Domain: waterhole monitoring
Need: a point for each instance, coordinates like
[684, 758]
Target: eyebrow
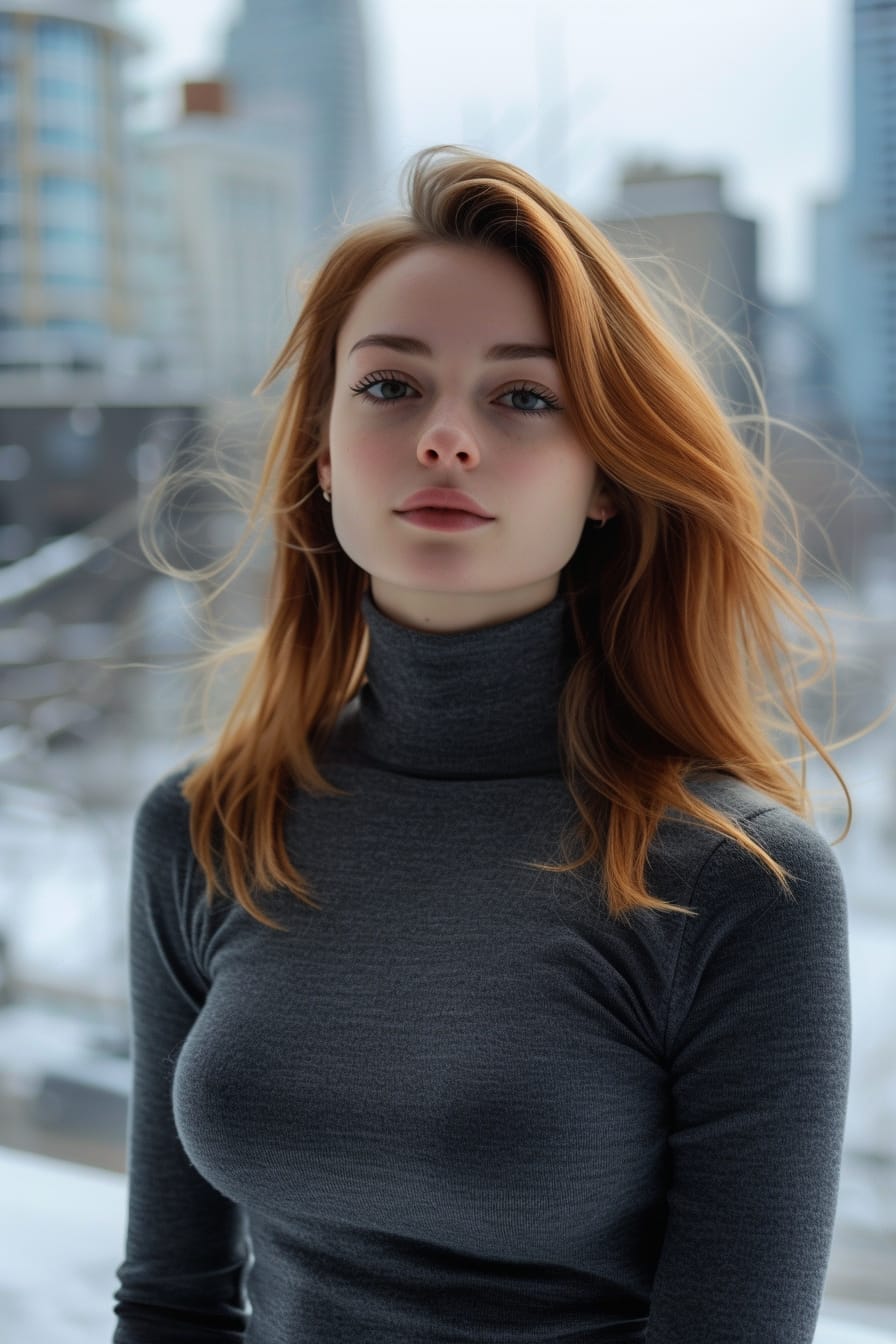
[409, 345]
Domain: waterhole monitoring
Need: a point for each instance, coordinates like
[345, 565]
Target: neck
[468, 704]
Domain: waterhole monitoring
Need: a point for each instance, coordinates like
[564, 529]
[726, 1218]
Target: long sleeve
[183, 1276]
[758, 1041]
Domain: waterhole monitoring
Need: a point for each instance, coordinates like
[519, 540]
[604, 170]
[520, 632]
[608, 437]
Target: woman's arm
[759, 1038]
[187, 1252]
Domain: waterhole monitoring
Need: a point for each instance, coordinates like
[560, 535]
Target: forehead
[444, 293]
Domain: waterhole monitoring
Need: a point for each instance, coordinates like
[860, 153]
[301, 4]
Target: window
[68, 51]
[75, 256]
[77, 138]
[9, 38]
[76, 326]
[58, 35]
[54, 234]
[73, 280]
[68, 115]
[71, 202]
[10, 201]
[65, 91]
[11, 258]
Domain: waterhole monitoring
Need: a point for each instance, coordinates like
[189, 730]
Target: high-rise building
[298, 70]
[64, 285]
[855, 248]
[87, 414]
[221, 279]
[682, 218]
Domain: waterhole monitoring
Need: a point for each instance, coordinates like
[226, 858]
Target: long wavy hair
[683, 608]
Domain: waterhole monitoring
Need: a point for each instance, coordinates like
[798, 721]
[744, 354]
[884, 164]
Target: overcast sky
[759, 89]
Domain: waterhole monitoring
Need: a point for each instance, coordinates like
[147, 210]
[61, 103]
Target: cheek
[559, 471]
[359, 435]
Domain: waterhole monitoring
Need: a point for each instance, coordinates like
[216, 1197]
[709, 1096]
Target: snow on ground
[871, 1109]
[65, 1237]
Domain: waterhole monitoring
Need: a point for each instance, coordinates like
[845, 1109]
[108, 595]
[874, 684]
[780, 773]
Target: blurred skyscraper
[854, 299]
[86, 415]
[682, 217]
[216, 211]
[65, 298]
[298, 69]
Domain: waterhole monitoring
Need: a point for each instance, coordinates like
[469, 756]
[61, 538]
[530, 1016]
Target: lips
[444, 498]
[444, 520]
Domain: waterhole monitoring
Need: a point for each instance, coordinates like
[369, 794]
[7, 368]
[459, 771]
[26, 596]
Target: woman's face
[422, 399]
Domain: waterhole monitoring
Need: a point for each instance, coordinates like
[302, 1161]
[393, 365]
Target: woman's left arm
[758, 1048]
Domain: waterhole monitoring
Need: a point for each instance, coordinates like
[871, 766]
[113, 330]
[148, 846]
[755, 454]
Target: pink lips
[442, 499]
[444, 520]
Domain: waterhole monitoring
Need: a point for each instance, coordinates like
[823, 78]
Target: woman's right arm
[187, 1252]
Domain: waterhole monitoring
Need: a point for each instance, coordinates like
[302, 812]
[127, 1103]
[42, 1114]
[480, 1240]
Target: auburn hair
[681, 604]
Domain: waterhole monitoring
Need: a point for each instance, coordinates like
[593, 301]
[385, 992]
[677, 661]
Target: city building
[299, 73]
[65, 297]
[681, 238]
[220, 257]
[87, 413]
[679, 219]
[854, 298]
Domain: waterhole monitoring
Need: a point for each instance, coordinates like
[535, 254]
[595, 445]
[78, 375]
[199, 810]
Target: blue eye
[550, 403]
[390, 384]
[379, 380]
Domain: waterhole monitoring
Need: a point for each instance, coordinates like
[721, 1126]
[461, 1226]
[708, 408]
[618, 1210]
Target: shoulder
[718, 866]
[168, 918]
[162, 817]
[785, 836]
[750, 940]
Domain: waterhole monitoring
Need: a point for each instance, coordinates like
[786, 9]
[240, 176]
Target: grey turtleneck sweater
[458, 1102]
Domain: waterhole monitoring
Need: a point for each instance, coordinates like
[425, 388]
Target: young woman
[406, 1066]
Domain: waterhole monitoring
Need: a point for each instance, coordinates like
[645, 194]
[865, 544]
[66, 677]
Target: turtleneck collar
[472, 704]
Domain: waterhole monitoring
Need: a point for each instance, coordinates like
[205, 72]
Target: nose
[447, 441]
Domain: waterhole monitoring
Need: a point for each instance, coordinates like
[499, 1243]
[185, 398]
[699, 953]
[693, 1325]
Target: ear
[602, 504]
[324, 470]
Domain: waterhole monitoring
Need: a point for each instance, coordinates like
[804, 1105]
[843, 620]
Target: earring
[326, 494]
[601, 522]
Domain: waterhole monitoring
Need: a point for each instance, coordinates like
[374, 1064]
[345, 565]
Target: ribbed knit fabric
[459, 1102]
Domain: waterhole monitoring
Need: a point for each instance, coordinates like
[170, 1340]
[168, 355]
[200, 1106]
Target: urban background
[168, 176]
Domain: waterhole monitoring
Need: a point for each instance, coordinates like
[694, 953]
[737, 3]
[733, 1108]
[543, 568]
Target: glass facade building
[63, 270]
[299, 69]
[855, 236]
[217, 276]
[871, 348]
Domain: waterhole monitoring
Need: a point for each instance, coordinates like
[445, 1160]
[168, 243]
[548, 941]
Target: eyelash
[387, 376]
